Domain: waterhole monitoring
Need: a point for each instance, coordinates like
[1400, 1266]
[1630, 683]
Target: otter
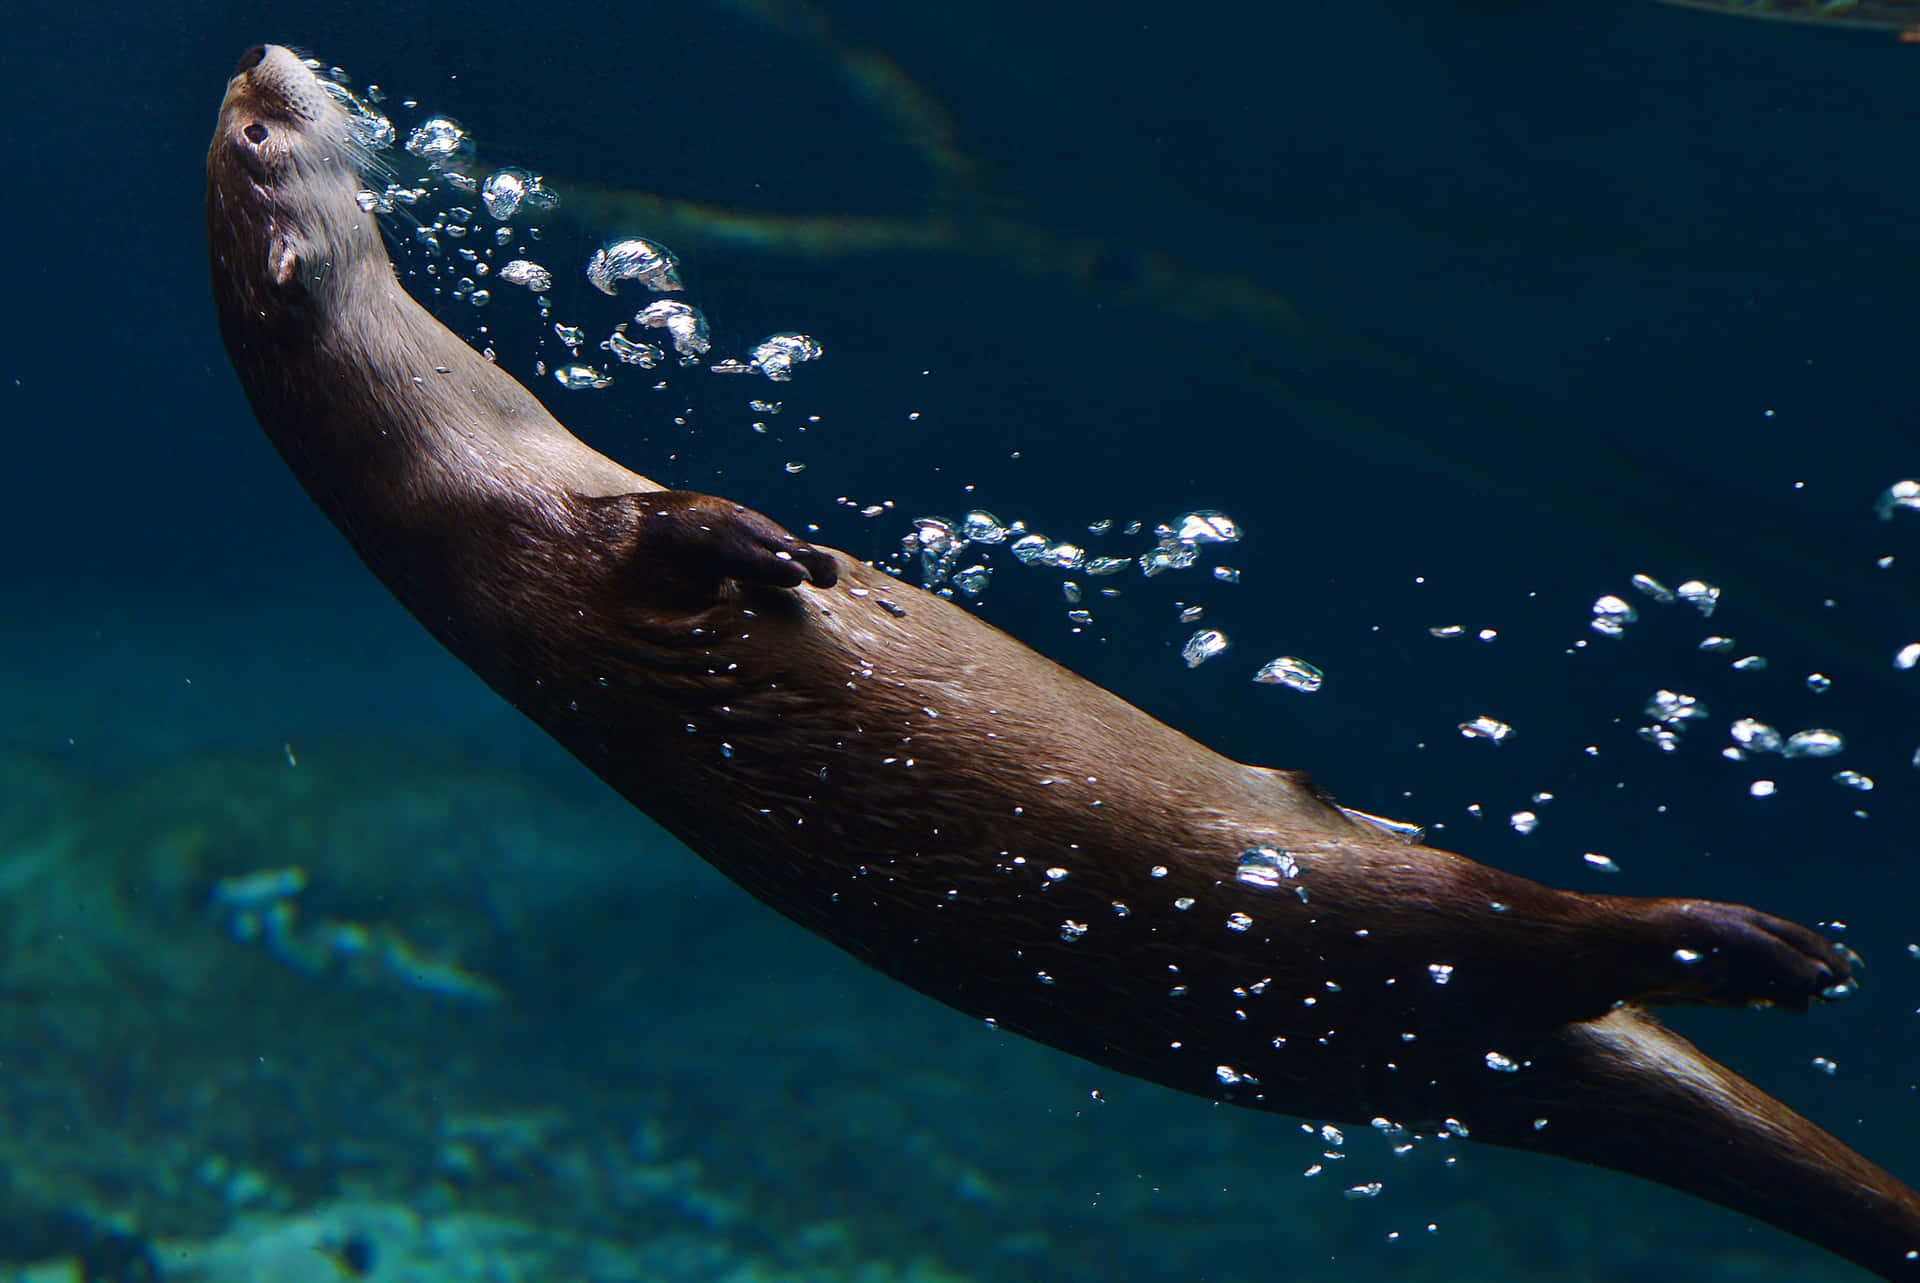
[957, 811]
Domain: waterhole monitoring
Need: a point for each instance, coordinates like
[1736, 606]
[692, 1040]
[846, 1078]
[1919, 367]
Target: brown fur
[894, 774]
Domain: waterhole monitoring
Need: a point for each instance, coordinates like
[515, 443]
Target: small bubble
[1263, 866]
[1524, 822]
[1819, 683]
[1238, 922]
[1501, 1064]
[1815, 743]
[1600, 863]
[1184, 903]
[1202, 646]
[1826, 1066]
[1440, 972]
[1648, 586]
[1071, 930]
[1294, 674]
[1762, 788]
[1901, 495]
[1485, 728]
[1369, 1190]
[1854, 780]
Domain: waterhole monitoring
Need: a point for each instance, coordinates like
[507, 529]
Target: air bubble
[1202, 646]
[528, 274]
[1294, 674]
[579, 378]
[1611, 616]
[1485, 728]
[776, 355]
[633, 259]
[1265, 866]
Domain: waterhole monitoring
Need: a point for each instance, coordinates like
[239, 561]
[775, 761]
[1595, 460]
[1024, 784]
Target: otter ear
[282, 261]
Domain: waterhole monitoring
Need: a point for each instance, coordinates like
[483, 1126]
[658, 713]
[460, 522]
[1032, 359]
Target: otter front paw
[1729, 955]
[699, 540]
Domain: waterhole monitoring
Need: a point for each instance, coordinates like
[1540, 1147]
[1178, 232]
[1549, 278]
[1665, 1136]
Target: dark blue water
[1467, 311]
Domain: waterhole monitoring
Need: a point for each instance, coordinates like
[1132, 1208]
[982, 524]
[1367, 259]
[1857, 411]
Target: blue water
[1467, 311]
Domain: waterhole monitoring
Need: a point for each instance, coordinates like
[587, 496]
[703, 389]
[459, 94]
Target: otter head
[282, 176]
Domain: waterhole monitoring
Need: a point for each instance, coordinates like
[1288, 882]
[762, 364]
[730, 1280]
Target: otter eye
[256, 133]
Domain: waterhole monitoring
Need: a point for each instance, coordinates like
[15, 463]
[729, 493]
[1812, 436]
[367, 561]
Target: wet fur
[892, 773]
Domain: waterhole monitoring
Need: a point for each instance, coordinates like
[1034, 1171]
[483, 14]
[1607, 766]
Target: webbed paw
[1730, 955]
[699, 540]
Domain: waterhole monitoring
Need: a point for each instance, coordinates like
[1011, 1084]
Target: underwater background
[1466, 311]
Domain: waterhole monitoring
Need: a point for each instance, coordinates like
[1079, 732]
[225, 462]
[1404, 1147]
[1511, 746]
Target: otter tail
[1625, 1092]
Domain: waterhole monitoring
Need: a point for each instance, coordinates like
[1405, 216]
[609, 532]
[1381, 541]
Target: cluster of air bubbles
[1178, 542]
[1754, 738]
[938, 548]
[1447, 632]
[1751, 736]
[1177, 546]
[459, 248]
[1670, 712]
[367, 125]
[1612, 616]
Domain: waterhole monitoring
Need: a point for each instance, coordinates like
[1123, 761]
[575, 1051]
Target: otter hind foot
[1728, 955]
[697, 541]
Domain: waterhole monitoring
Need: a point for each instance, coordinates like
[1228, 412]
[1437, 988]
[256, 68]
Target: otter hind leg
[1624, 1092]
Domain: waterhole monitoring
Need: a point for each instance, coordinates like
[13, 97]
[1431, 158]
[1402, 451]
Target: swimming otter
[959, 812]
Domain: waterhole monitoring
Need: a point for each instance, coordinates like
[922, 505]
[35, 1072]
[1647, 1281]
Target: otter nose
[250, 59]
